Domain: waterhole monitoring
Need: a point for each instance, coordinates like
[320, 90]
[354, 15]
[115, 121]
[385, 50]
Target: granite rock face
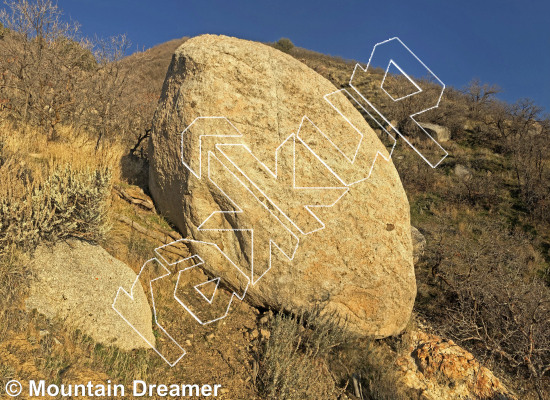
[77, 282]
[433, 368]
[258, 165]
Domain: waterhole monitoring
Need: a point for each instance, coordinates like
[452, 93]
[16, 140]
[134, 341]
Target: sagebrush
[67, 203]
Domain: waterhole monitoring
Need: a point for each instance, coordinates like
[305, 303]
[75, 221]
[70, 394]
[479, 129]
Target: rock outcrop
[438, 132]
[354, 255]
[77, 282]
[438, 369]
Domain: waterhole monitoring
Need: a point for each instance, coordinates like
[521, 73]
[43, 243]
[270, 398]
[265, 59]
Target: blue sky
[498, 41]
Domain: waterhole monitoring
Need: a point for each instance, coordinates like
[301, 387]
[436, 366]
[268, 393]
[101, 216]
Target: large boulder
[356, 258]
[77, 282]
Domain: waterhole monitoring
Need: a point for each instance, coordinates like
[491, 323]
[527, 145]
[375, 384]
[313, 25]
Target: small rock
[438, 132]
[468, 125]
[254, 334]
[419, 244]
[44, 333]
[462, 172]
[265, 333]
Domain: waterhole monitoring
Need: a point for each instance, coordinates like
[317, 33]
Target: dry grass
[14, 275]
[29, 149]
[375, 372]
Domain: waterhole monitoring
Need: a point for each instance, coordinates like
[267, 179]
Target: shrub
[293, 362]
[67, 203]
[378, 377]
[492, 299]
[284, 44]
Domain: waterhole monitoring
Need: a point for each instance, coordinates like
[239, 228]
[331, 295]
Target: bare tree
[104, 109]
[494, 303]
[531, 163]
[479, 95]
[39, 60]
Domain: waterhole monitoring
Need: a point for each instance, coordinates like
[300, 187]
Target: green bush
[284, 44]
